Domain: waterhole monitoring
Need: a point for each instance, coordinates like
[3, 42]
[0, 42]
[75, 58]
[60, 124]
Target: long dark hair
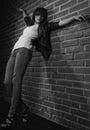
[42, 12]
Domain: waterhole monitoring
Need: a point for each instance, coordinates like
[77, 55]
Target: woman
[36, 33]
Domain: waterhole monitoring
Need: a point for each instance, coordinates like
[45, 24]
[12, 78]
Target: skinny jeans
[14, 73]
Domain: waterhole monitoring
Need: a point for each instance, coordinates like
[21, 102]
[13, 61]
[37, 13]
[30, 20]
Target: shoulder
[53, 25]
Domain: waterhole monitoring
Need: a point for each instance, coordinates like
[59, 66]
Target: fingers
[82, 18]
[77, 18]
[20, 10]
[87, 17]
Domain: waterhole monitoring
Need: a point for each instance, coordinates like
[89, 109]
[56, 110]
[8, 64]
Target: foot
[7, 123]
[25, 115]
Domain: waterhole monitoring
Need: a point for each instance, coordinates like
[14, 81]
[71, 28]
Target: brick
[82, 70]
[79, 6]
[50, 7]
[53, 11]
[60, 63]
[70, 43]
[56, 45]
[58, 88]
[70, 30]
[69, 116]
[82, 55]
[86, 85]
[79, 99]
[87, 93]
[86, 33]
[55, 33]
[68, 4]
[85, 107]
[58, 76]
[56, 52]
[49, 104]
[74, 35]
[81, 0]
[44, 0]
[60, 14]
[75, 63]
[71, 104]
[87, 62]
[87, 78]
[61, 95]
[62, 108]
[64, 82]
[52, 69]
[56, 39]
[69, 16]
[44, 86]
[74, 49]
[55, 100]
[50, 18]
[87, 48]
[80, 113]
[87, 55]
[64, 70]
[68, 56]
[73, 77]
[44, 4]
[84, 122]
[60, 2]
[77, 84]
[36, 4]
[85, 11]
[50, 1]
[74, 91]
[89, 101]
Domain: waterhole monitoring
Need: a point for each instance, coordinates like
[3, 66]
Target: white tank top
[29, 33]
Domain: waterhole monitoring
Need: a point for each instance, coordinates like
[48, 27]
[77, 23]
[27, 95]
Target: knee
[16, 81]
[7, 83]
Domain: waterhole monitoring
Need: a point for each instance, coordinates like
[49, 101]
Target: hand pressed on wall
[80, 18]
[86, 18]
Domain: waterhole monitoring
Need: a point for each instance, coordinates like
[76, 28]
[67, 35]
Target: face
[38, 19]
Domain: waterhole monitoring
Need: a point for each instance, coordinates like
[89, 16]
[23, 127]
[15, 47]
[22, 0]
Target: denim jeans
[15, 70]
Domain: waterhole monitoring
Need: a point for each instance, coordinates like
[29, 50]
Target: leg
[21, 60]
[23, 56]
[8, 76]
[8, 85]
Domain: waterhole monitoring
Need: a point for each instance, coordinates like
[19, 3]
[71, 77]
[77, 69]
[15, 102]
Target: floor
[34, 123]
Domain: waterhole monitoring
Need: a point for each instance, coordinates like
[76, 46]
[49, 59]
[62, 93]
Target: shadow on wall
[52, 88]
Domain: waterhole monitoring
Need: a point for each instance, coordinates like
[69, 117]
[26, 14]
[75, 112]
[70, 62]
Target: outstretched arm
[69, 21]
[64, 23]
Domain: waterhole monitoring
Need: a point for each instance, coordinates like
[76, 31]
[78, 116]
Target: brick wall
[57, 89]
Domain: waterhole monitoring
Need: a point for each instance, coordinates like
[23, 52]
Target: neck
[36, 23]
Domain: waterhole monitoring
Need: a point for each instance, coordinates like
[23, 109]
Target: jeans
[15, 70]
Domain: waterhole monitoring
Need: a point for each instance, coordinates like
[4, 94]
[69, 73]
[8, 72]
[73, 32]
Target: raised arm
[24, 12]
[26, 17]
